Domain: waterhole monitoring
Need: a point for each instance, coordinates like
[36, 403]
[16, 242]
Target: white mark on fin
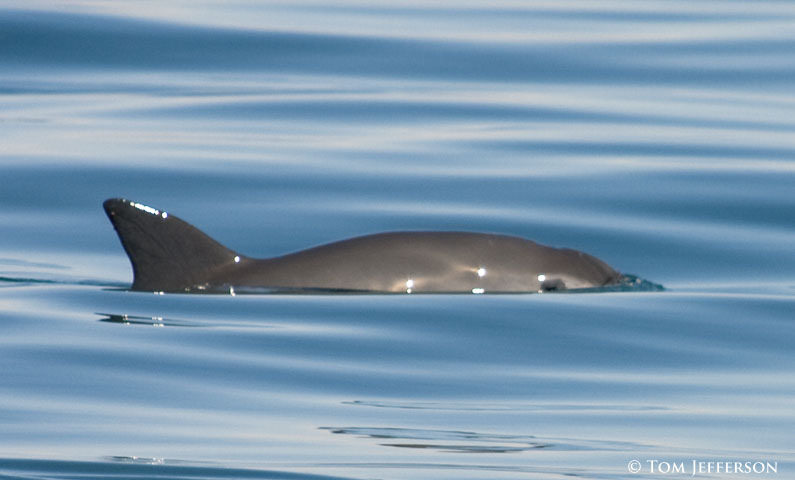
[146, 208]
[237, 259]
[164, 215]
[478, 291]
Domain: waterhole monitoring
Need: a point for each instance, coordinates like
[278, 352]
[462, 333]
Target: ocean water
[658, 136]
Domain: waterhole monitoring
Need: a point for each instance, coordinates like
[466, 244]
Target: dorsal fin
[167, 254]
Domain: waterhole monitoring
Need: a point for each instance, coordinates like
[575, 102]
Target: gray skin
[170, 255]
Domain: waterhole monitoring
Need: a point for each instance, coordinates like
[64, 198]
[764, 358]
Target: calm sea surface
[659, 137]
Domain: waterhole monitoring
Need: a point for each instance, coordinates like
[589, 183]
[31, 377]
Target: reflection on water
[502, 407]
[140, 320]
[473, 442]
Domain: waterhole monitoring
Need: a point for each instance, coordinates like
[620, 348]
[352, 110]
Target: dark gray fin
[167, 254]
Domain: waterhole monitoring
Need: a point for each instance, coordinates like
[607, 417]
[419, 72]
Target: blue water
[658, 137]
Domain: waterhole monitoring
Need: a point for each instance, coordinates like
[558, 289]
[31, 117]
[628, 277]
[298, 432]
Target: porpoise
[170, 255]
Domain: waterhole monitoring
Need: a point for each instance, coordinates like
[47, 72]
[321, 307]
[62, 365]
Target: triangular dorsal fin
[167, 254]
